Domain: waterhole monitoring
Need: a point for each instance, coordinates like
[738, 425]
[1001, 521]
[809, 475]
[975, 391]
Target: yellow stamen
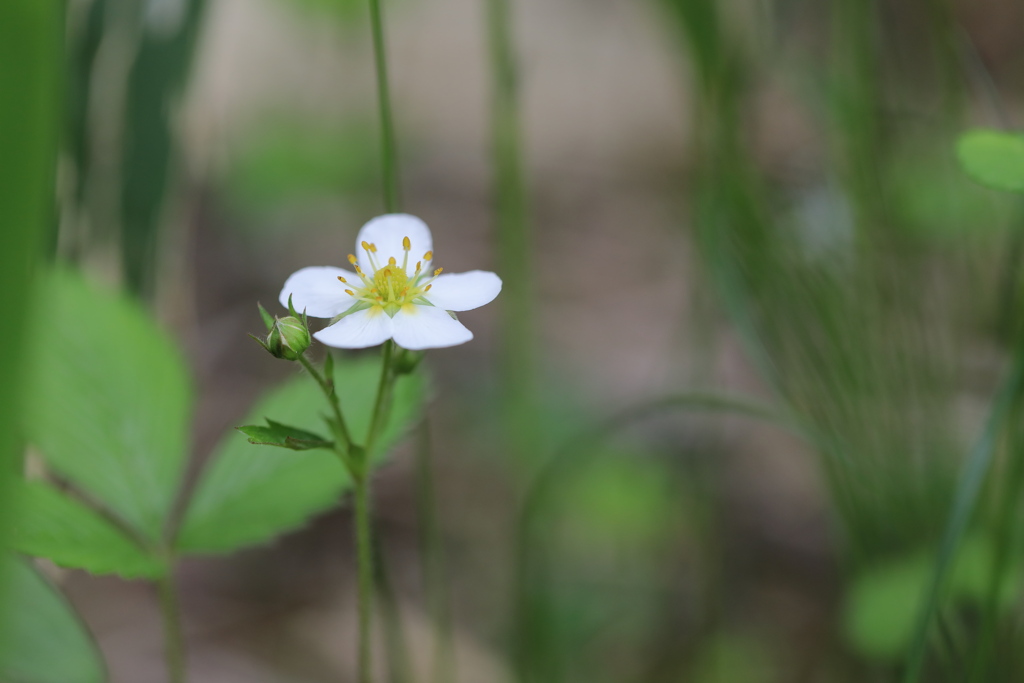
[438, 272]
[392, 261]
[350, 292]
[352, 259]
[428, 256]
[406, 244]
[427, 288]
[343, 280]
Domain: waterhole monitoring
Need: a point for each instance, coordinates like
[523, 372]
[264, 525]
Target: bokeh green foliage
[858, 295]
[290, 163]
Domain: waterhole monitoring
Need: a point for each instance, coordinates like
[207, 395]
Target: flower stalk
[389, 154]
[174, 641]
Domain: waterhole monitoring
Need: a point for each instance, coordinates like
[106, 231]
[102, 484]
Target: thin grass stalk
[962, 510]
[1006, 529]
[31, 62]
[389, 153]
[515, 263]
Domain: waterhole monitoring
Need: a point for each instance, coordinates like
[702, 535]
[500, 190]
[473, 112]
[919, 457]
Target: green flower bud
[288, 338]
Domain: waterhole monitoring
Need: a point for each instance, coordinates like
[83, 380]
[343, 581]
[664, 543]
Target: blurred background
[756, 199]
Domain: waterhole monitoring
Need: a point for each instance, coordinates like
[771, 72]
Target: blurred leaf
[883, 604]
[70, 534]
[993, 158]
[109, 403]
[730, 658]
[932, 197]
[250, 495]
[155, 83]
[627, 497]
[277, 434]
[294, 161]
[84, 37]
[44, 641]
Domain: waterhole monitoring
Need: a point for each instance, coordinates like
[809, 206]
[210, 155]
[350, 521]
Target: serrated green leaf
[62, 530]
[277, 434]
[110, 400]
[993, 158]
[43, 640]
[248, 495]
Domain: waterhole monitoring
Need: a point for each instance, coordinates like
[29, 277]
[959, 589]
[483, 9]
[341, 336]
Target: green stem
[341, 428]
[383, 391]
[174, 641]
[513, 231]
[389, 155]
[431, 550]
[364, 555]
[364, 530]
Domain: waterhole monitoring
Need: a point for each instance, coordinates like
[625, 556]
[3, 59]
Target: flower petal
[428, 327]
[359, 330]
[387, 233]
[464, 291]
[317, 290]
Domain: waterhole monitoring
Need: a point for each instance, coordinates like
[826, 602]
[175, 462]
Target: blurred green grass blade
[70, 534]
[250, 494]
[44, 641]
[30, 68]
[964, 503]
[993, 158]
[155, 84]
[83, 43]
[700, 23]
[110, 401]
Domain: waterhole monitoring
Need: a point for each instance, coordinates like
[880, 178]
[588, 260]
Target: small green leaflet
[277, 434]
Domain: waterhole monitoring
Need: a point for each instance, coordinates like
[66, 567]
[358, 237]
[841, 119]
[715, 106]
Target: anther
[352, 259]
[341, 279]
[438, 272]
[367, 247]
[350, 292]
[428, 256]
[427, 288]
[406, 244]
[392, 261]
[359, 271]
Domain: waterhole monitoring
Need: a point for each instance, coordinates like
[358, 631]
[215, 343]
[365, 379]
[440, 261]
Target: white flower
[393, 294]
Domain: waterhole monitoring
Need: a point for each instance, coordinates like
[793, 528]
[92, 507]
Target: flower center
[391, 287]
[392, 282]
